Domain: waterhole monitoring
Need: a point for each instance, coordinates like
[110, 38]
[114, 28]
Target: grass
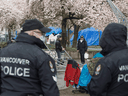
[94, 47]
[71, 49]
[51, 46]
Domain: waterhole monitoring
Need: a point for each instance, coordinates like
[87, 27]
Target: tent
[52, 31]
[70, 31]
[91, 35]
[56, 31]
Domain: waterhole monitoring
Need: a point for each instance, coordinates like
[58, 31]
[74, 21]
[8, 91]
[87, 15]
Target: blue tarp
[91, 35]
[70, 31]
[15, 36]
[56, 31]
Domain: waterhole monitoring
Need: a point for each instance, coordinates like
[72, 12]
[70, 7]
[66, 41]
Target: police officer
[110, 77]
[26, 70]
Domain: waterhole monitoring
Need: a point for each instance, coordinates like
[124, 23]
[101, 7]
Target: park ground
[68, 92]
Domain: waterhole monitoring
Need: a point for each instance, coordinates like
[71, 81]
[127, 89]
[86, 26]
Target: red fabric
[72, 75]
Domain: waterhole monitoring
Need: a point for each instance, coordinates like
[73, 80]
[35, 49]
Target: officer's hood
[113, 38]
[24, 37]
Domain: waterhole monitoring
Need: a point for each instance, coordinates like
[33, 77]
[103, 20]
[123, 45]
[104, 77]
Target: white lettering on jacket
[14, 60]
[123, 77]
[16, 71]
[123, 68]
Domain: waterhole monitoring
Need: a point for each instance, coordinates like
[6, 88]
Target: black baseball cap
[34, 24]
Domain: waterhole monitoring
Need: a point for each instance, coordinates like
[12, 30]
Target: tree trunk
[9, 34]
[64, 35]
[76, 29]
[68, 42]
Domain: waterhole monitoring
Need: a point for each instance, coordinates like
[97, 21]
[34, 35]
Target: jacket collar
[104, 53]
[24, 37]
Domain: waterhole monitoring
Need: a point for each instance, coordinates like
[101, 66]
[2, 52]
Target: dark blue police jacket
[26, 70]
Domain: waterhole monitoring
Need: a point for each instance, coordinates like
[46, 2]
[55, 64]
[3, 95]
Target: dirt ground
[68, 92]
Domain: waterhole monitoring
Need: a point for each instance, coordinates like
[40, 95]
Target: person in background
[26, 70]
[82, 48]
[110, 76]
[52, 38]
[59, 49]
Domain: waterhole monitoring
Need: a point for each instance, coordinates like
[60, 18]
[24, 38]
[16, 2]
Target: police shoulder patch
[98, 68]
